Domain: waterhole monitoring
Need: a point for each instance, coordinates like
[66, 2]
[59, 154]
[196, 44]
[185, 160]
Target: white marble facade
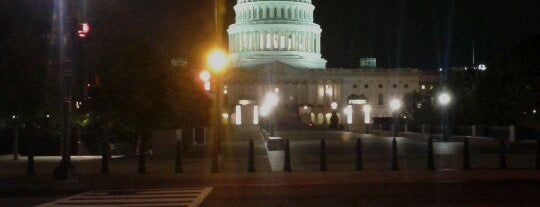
[275, 47]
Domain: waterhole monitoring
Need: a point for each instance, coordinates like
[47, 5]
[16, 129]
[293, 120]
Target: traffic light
[205, 78]
[83, 30]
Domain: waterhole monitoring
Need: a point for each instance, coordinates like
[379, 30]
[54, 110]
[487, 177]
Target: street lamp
[334, 118]
[217, 62]
[444, 99]
[269, 102]
[395, 105]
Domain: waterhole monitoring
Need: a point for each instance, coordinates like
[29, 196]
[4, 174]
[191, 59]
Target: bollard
[251, 157]
[193, 137]
[287, 165]
[179, 168]
[105, 157]
[473, 131]
[511, 134]
[394, 166]
[423, 128]
[142, 157]
[215, 162]
[502, 155]
[205, 134]
[359, 164]
[538, 153]
[322, 166]
[30, 170]
[16, 143]
[466, 155]
[430, 155]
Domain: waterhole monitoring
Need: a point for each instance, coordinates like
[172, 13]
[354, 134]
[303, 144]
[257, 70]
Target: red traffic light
[83, 30]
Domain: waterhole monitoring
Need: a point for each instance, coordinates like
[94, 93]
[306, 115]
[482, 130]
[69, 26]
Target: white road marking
[189, 197]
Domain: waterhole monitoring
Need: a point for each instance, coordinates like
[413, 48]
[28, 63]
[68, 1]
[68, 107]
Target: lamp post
[444, 99]
[217, 61]
[270, 101]
[395, 105]
[334, 118]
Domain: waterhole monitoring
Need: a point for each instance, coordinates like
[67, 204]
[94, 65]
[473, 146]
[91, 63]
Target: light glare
[444, 99]
[395, 104]
[217, 60]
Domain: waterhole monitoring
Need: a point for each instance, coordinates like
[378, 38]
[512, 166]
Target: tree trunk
[15, 143]
[78, 138]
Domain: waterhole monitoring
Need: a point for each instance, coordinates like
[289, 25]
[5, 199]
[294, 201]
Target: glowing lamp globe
[217, 61]
[395, 104]
[444, 99]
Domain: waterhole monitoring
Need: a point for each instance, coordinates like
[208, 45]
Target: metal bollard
[142, 157]
[251, 157]
[30, 170]
[105, 157]
[359, 164]
[179, 168]
[430, 155]
[322, 166]
[287, 165]
[466, 155]
[502, 155]
[394, 166]
[538, 153]
[215, 162]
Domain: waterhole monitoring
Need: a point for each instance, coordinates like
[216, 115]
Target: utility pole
[64, 42]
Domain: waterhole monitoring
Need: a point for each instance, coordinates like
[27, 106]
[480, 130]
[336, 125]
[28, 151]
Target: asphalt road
[341, 157]
[403, 194]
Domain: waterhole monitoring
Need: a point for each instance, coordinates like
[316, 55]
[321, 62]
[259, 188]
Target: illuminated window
[328, 117]
[238, 117]
[256, 115]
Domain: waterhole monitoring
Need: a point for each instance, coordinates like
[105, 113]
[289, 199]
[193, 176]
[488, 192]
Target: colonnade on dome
[301, 41]
[275, 31]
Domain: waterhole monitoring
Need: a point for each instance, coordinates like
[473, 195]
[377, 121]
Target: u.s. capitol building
[276, 49]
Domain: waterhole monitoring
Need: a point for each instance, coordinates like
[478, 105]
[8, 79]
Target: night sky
[399, 33]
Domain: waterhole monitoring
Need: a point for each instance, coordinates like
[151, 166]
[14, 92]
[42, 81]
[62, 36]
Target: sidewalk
[160, 170]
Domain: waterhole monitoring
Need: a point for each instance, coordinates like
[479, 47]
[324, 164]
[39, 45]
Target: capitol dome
[267, 31]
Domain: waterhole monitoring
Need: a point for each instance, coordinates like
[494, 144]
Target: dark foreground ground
[502, 193]
[485, 185]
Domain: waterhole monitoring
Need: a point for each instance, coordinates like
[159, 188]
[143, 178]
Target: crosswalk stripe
[136, 198]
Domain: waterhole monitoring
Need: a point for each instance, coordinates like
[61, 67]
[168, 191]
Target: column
[253, 42]
[319, 43]
[257, 40]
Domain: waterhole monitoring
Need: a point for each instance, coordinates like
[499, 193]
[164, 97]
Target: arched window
[290, 13]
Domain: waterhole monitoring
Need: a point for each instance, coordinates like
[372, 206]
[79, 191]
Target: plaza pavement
[304, 156]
